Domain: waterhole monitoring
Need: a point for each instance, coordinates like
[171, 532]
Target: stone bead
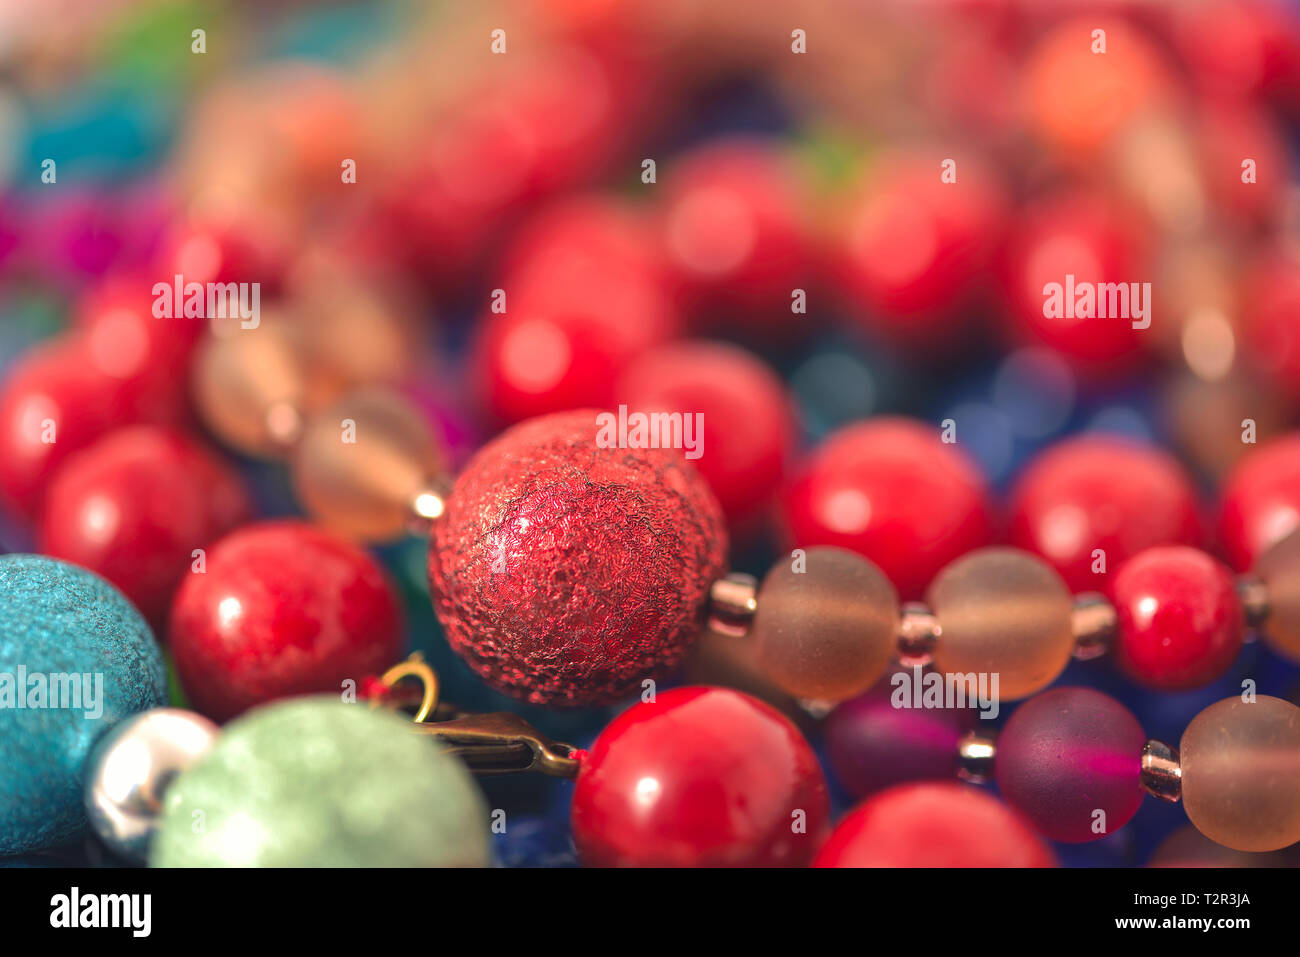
[1241, 773]
[1003, 611]
[361, 462]
[1279, 569]
[825, 625]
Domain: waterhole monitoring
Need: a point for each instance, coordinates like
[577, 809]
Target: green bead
[314, 782]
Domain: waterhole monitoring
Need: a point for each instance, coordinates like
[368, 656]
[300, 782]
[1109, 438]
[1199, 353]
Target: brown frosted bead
[1241, 773]
[251, 387]
[1003, 611]
[825, 633]
[1279, 570]
[362, 461]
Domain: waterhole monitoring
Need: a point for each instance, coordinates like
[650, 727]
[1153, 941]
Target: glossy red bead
[892, 490]
[1259, 501]
[135, 505]
[734, 231]
[748, 423]
[1180, 623]
[282, 609]
[700, 777]
[1101, 492]
[934, 824]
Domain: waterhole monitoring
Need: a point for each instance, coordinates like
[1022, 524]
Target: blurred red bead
[1180, 624]
[747, 419]
[1271, 305]
[913, 247]
[699, 777]
[734, 231]
[934, 824]
[892, 490]
[1086, 236]
[1259, 502]
[583, 298]
[53, 401]
[281, 609]
[1101, 492]
[223, 250]
[1240, 48]
[135, 505]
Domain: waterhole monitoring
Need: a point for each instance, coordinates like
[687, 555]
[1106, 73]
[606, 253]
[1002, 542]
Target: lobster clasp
[498, 742]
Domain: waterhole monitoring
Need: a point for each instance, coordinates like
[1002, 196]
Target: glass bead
[1003, 611]
[1279, 570]
[1241, 773]
[825, 625]
[362, 461]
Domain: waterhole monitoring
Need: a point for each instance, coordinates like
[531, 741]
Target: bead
[1259, 502]
[252, 387]
[1005, 612]
[1241, 779]
[933, 824]
[1279, 570]
[55, 620]
[748, 420]
[318, 783]
[825, 625]
[135, 505]
[872, 745]
[362, 461]
[565, 572]
[734, 230]
[1067, 505]
[282, 609]
[912, 248]
[128, 773]
[1082, 235]
[1070, 760]
[1180, 624]
[891, 490]
[699, 777]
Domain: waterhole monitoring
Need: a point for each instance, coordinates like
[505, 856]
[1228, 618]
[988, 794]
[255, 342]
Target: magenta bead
[1068, 754]
[872, 745]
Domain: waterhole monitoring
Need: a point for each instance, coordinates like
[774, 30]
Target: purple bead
[1070, 760]
[873, 745]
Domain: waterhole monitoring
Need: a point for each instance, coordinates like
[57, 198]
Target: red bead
[282, 609]
[1070, 502]
[1180, 623]
[1259, 502]
[1272, 302]
[699, 777]
[733, 229]
[53, 402]
[892, 490]
[1086, 236]
[914, 247]
[135, 505]
[566, 572]
[584, 297]
[934, 824]
[748, 420]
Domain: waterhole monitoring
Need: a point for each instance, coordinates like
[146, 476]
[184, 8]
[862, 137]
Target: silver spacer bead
[732, 603]
[1161, 775]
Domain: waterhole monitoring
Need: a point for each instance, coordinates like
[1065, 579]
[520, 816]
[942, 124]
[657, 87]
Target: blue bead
[57, 619]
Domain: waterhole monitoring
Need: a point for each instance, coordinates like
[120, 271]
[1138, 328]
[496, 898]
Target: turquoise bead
[315, 782]
[75, 659]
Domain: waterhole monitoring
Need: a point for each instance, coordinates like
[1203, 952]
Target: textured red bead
[282, 609]
[1101, 492]
[748, 420]
[1180, 624]
[934, 824]
[1259, 502]
[891, 490]
[699, 777]
[565, 573]
[135, 505]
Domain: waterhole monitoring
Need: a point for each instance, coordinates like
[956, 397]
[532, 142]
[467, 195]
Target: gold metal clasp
[498, 742]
